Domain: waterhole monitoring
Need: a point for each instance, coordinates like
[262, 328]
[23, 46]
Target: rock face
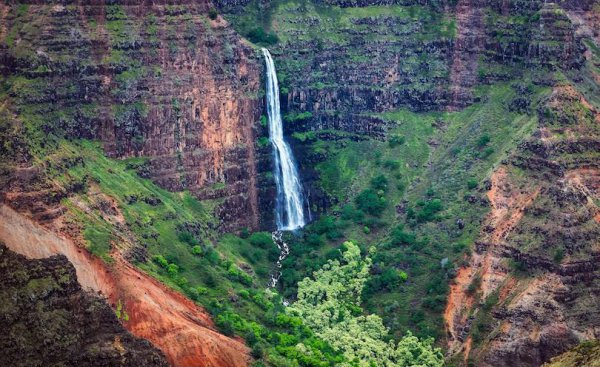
[48, 319]
[530, 291]
[341, 67]
[424, 58]
[160, 80]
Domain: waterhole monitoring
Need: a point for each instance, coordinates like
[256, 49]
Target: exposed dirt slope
[181, 329]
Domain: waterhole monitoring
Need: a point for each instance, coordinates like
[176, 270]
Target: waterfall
[289, 210]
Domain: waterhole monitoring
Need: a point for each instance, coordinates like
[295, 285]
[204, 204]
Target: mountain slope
[182, 330]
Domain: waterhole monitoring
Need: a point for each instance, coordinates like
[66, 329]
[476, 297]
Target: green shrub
[257, 352]
[244, 233]
[314, 241]
[262, 302]
[427, 213]
[487, 152]
[225, 325]
[197, 250]
[187, 237]
[263, 141]
[261, 239]
[435, 303]
[193, 293]
[325, 224]
[518, 266]
[293, 117]
[371, 203]
[182, 282]
[399, 237]
[160, 260]
[483, 141]
[244, 294]
[471, 183]
[475, 285]
[379, 182]
[391, 164]
[260, 36]
[559, 255]
[351, 213]
[212, 256]
[172, 269]
[212, 13]
[396, 140]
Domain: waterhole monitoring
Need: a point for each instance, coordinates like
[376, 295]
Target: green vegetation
[224, 273]
[120, 312]
[587, 354]
[261, 37]
[212, 13]
[405, 196]
[330, 305]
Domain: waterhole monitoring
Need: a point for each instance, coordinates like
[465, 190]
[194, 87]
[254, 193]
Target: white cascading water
[289, 210]
[289, 213]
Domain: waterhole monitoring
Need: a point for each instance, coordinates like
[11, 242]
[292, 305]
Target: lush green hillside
[139, 132]
[417, 196]
[113, 207]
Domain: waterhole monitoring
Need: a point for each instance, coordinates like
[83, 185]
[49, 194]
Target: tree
[370, 202]
[329, 304]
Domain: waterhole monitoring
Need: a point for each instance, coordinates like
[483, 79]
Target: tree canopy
[329, 304]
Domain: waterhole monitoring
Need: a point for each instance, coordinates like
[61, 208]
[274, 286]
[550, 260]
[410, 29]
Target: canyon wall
[342, 67]
[166, 81]
[155, 79]
[530, 291]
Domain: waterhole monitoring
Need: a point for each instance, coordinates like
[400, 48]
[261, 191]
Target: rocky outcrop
[468, 47]
[48, 319]
[530, 291]
[160, 80]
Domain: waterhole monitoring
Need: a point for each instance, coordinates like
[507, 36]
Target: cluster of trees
[258, 35]
[329, 304]
[372, 200]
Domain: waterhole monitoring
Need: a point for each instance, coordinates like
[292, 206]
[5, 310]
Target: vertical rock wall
[155, 79]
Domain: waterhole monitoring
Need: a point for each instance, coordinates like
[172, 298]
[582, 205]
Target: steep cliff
[164, 80]
[529, 292]
[161, 80]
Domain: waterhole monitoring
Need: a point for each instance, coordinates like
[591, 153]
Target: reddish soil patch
[458, 300]
[173, 323]
[508, 204]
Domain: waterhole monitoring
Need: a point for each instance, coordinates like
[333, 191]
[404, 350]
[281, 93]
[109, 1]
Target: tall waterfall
[289, 212]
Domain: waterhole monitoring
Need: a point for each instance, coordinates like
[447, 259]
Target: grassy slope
[585, 355]
[228, 276]
[445, 157]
